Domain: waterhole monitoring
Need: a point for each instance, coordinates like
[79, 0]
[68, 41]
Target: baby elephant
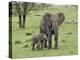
[38, 41]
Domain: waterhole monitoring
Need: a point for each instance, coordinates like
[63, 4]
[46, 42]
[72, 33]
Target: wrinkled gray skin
[49, 25]
[38, 41]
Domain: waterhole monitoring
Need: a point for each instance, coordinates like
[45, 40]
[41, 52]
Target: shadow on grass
[18, 42]
[25, 46]
[28, 40]
[27, 33]
[69, 33]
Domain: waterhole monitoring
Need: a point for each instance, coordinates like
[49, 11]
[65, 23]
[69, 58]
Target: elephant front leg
[49, 33]
[56, 43]
[56, 37]
[50, 42]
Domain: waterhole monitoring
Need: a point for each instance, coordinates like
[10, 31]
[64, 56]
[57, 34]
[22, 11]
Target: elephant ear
[61, 18]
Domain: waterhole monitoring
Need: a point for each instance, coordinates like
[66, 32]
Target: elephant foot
[45, 46]
[41, 48]
[56, 48]
[49, 47]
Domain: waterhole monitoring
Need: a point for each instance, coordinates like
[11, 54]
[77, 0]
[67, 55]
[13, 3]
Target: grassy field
[68, 42]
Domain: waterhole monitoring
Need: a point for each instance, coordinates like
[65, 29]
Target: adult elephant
[49, 25]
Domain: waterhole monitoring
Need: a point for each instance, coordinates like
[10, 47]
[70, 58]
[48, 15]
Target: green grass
[68, 43]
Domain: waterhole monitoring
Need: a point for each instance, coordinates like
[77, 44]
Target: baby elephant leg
[38, 45]
[42, 45]
[33, 46]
